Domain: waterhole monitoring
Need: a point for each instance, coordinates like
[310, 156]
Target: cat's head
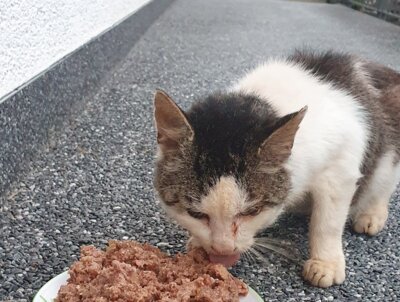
[220, 167]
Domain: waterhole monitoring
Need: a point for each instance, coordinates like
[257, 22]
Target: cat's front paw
[324, 273]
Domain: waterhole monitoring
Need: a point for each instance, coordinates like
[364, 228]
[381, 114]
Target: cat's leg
[332, 194]
[370, 211]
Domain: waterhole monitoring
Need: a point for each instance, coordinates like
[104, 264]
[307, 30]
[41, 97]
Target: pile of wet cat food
[130, 271]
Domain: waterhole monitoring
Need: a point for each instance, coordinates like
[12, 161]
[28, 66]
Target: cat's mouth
[225, 260]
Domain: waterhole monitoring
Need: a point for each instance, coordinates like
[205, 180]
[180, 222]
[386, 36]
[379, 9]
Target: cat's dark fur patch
[388, 82]
[227, 129]
[330, 66]
[382, 77]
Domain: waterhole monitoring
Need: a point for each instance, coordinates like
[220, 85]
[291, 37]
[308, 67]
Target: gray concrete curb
[32, 112]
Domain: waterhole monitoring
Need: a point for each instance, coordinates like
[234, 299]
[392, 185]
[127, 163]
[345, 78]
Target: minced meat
[134, 272]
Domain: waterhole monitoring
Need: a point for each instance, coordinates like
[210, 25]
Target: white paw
[370, 224]
[324, 273]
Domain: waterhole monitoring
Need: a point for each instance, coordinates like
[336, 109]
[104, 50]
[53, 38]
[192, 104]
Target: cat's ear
[276, 149]
[171, 123]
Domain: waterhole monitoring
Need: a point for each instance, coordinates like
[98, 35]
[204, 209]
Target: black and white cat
[325, 125]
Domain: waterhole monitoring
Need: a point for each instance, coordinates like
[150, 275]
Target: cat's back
[354, 105]
[291, 83]
[375, 86]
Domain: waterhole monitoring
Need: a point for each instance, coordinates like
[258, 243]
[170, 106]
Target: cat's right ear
[171, 123]
[277, 148]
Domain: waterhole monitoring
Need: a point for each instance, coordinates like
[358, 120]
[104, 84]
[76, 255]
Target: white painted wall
[34, 34]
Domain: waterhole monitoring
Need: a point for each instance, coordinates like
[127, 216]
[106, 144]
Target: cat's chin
[225, 260]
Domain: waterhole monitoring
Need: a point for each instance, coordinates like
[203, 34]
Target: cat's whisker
[250, 257]
[293, 256]
[274, 241]
[259, 256]
[243, 256]
[256, 257]
[246, 256]
[275, 249]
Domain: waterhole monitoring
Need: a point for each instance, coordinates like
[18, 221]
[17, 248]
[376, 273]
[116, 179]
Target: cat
[321, 124]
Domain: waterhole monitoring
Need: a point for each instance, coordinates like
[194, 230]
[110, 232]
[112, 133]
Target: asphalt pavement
[93, 181]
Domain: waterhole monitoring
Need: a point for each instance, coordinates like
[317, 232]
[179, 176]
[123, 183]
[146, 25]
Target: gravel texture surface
[93, 181]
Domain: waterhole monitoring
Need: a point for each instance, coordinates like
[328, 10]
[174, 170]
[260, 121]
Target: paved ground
[93, 182]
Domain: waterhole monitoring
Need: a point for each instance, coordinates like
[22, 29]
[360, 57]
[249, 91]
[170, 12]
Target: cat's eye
[254, 211]
[197, 215]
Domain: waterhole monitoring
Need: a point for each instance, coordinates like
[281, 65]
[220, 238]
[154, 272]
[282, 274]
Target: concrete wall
[35, 34]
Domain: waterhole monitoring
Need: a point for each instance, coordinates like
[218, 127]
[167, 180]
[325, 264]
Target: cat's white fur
[333, 134]
[326, 158]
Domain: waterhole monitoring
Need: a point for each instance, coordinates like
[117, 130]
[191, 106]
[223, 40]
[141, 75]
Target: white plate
[49, 291]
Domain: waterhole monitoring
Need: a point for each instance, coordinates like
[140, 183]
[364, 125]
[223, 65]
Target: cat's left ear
[171, 123]
[276, 149]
